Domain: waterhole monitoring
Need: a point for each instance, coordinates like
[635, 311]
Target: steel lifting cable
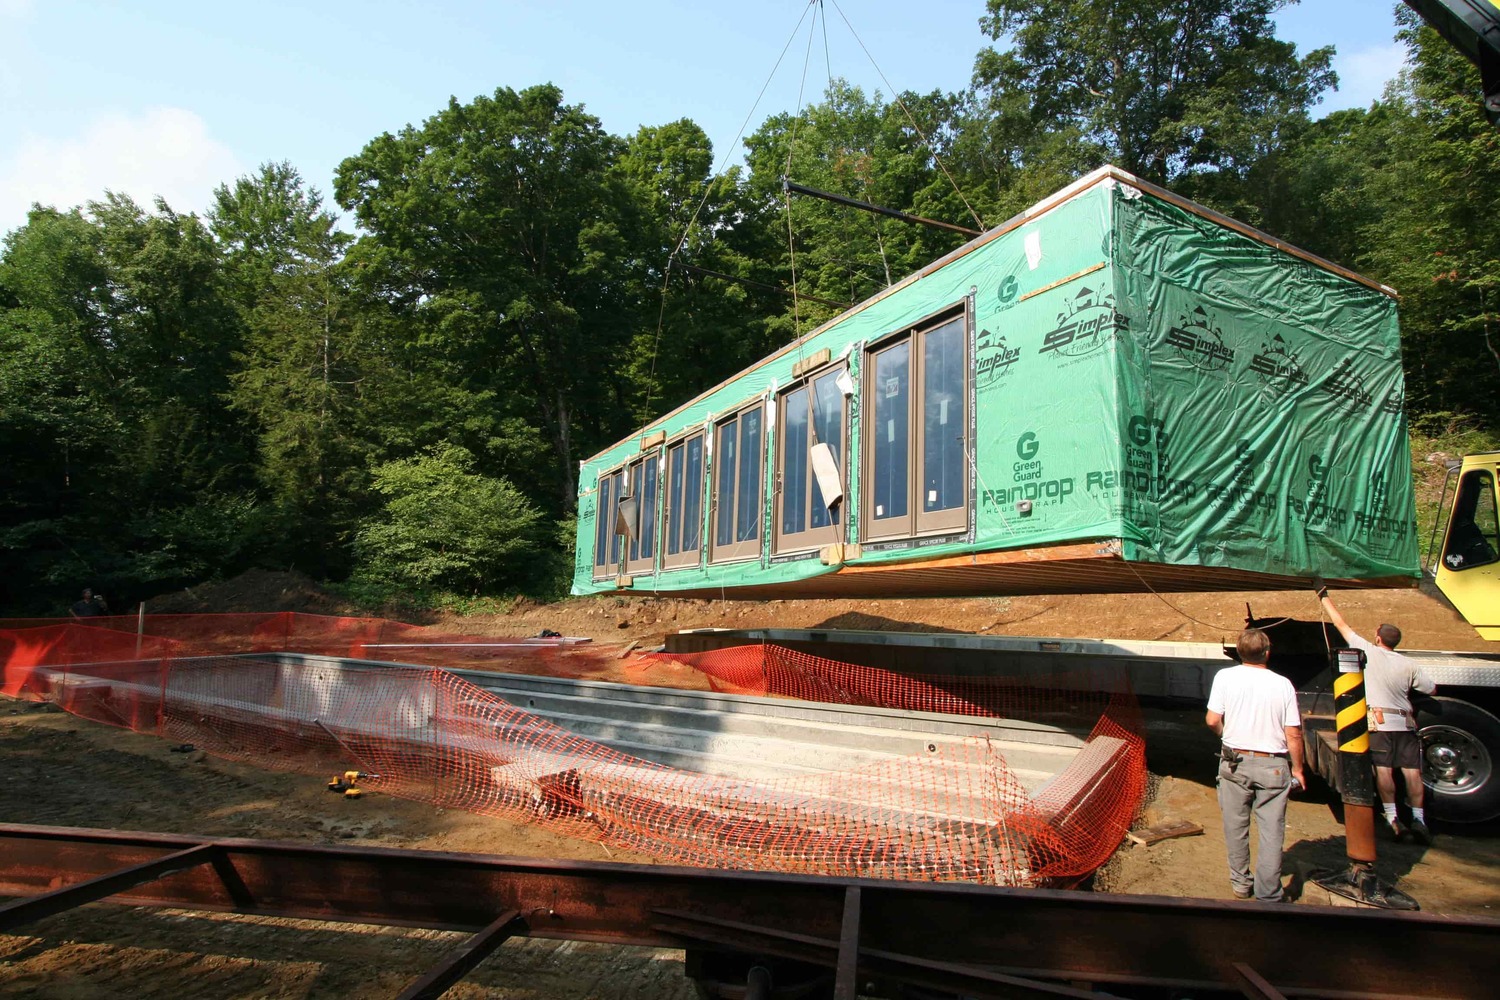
[895, 96]
[1198, 621]
[808, 384]
[707, 190]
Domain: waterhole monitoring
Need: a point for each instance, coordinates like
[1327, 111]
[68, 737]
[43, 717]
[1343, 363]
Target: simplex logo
[1278, 367]
[1087, 323]
[1345, 383]
[993, 359]
[1199, 341]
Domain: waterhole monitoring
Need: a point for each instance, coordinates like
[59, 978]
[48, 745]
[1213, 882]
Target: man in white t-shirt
[1255, 712]
[1389, 680]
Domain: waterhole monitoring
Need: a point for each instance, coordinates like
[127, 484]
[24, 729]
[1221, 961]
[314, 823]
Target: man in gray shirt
[1389, 679]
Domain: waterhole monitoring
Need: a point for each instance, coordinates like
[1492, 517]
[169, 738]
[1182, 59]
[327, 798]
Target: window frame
[749, 548]
[687, 557]
[810, 538]
[1483, 487]
[647, 515]
[606, 513]
[916, 522]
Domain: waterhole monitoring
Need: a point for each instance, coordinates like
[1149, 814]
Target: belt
[1393, 711]
[1258, 753]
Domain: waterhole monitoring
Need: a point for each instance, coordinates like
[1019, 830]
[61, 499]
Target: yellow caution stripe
[1351, 713]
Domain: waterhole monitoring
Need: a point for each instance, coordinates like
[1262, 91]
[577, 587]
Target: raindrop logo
[1027, 446]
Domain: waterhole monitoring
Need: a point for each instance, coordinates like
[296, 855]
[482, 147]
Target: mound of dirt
[1425, 618]
[254, 591]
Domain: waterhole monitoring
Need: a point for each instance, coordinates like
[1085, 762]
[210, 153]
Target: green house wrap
[1116, 390]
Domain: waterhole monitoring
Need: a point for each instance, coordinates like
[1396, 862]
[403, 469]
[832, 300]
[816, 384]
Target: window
[684, 503]
[916, 432]
[737, 485]
[642, 477]
[1474, 538]
[810, 414]
[606, 542]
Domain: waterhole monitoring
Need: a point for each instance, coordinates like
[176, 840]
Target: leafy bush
[444, 527]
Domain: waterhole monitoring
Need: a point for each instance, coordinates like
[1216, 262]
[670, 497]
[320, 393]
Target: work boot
[1420, 833]
[1398, 832]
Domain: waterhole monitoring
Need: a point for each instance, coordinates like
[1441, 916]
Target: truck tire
[1460, 752]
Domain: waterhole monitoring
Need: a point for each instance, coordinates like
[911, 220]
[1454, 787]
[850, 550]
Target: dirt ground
[65, 771]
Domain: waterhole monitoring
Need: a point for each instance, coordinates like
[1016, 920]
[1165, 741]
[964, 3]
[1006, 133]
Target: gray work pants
[1258, 786]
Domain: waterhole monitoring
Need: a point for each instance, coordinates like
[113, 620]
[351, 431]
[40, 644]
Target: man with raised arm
[1389, 680]
[1254, 712]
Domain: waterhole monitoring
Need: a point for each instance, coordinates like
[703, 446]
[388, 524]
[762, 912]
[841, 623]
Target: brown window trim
[737, 550]
[604, 526]
[915, 523]
[648, 514]
[808, 538]
[693, 557]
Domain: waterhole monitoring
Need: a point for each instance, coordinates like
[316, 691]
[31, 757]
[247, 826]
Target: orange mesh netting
[957, 812]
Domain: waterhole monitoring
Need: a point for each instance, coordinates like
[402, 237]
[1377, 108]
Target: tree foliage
[1162, 88]
[444, 527]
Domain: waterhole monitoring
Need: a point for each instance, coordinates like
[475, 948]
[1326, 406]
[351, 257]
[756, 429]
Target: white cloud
[1363, 74]
[164, 152]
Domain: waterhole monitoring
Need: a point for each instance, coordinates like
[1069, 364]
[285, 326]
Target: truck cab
[1466, 567]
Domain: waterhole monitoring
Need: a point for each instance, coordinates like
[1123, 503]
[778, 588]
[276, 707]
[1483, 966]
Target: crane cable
[707, 190]
[896, 96]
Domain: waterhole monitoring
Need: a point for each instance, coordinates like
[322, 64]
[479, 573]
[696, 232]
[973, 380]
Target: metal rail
[981, 940]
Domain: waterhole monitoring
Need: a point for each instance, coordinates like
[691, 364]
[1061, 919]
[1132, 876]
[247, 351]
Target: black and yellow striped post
[1356, 777]
[1357, 788]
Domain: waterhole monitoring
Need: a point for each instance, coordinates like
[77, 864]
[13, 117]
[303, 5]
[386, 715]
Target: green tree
[1162, 88]
[1437, 237]
[302, 372]
[444, 527]
[495, 227]
[869, 150]
[118, 340]
[694, 233]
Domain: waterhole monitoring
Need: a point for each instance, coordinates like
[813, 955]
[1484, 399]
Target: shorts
[1399, 749]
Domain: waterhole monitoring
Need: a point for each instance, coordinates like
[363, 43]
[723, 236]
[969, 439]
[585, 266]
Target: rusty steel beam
[968, 931]
[24, 911]
[846, 978]
[968, 979]
[463, 959]
[1253, 985]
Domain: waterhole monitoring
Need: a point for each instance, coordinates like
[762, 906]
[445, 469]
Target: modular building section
[1115, 390]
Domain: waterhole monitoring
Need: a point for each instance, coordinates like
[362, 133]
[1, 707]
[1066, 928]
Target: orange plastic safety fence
[958, 812]
[1074, 822]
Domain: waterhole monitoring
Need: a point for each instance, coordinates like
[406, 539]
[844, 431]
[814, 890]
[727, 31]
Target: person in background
[91, 605]
[1254, 712]
[1389, 680]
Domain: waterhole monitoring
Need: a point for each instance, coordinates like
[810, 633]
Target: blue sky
[174, 98]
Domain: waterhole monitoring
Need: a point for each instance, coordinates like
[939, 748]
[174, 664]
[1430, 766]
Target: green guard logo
[1027, 446]
[1008, 290]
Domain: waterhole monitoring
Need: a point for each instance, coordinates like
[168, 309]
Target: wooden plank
[1165, 831]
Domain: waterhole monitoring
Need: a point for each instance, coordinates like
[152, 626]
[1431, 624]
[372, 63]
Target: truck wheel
[1460, 750]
